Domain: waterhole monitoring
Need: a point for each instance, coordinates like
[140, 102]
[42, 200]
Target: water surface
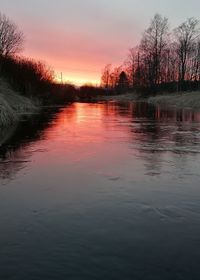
[101, 191]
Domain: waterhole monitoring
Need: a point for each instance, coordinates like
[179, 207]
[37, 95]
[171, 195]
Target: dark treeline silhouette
[30, 78]
[89, 92]
[34, 78]
[163, 61]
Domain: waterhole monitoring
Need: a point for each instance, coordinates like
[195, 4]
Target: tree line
[164, 59]
[32, 78]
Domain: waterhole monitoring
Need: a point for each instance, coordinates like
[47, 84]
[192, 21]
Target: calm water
[101, 191]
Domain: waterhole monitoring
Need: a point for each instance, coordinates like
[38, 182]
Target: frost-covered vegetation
[12, 105]
[182, 100]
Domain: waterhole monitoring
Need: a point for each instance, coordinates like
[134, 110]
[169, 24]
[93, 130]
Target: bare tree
[11, 38]
[106, 75]
[196, 65]
[153, 46]
[130, 65]
[163, 60]
[123, 83]
[185, 35]
[114, 76]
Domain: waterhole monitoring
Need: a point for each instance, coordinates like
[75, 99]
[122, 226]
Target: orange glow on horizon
[77, 80]
[76, 72]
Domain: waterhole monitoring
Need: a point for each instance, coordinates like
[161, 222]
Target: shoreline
[13, 105]
[180, 100]
[125, 97]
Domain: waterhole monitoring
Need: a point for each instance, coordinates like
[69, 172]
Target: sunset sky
[79, 37]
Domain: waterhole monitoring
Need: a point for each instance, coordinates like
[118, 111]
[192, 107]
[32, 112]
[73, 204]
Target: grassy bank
[12, 105]
[181, 100]
[184, 100]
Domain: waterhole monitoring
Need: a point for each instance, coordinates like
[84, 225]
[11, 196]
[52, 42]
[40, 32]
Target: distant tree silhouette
[163, 60]
[105, 78]
[123, 83]
[130, 65]
[114, 77]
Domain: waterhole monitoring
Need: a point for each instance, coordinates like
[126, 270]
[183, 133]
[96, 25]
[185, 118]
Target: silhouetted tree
[123, 83]
[131, 65]
[185, 34]
[105, 78]
[11, 38]
[114, 77]
[153, 45]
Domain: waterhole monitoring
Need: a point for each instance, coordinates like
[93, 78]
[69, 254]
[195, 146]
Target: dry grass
[185, 100]
[12, 105]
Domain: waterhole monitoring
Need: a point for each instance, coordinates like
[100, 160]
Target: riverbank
[182, 100]
[126, 97]
[12, 105]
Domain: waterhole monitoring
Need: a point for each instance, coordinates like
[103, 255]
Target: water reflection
[149, 130]
[16, 140]
[101, 191]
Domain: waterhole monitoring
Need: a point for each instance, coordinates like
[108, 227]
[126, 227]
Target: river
[101, 191]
